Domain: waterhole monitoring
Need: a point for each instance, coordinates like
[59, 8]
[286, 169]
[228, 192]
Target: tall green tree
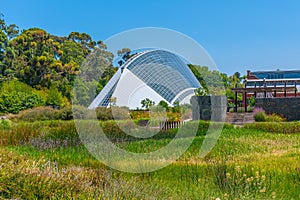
[7, 32]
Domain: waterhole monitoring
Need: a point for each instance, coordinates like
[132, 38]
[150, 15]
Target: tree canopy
[49, 65]
[45, 61]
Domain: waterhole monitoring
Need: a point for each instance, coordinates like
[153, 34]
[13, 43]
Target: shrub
[120, 113]
[259, 114]
[260, 117]
[16, 101]
[66, 113]
[274, 118]
[55, 98]
[139, 114]
[104, 114]
[75, 111]
[38, 113]
[16, 96]
[276, 127]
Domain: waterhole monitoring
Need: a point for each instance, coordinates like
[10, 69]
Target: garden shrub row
[43, 113]
[275, 127]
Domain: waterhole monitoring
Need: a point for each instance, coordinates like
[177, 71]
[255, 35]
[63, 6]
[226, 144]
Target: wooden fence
[166, 125]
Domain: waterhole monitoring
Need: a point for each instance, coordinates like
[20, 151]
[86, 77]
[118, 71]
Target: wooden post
[275, 90]
[265, 86]
[255, 91]
[284, 89]
[295, 89]
[236, 102]
[245, 101]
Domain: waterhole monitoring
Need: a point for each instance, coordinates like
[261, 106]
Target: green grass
[246, 163]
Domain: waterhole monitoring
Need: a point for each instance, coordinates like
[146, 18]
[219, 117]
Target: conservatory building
[154, 74]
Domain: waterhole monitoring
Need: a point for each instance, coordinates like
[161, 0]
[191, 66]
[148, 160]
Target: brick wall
[289, 107]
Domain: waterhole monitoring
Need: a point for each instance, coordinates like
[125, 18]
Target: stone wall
[209, 108]
[289, 107]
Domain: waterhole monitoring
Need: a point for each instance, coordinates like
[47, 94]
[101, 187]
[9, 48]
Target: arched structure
[154, 74]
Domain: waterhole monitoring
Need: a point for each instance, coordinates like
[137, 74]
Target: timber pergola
[263, 89]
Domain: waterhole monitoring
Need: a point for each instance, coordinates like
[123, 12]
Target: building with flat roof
[154, 74]
[269, 84]
[274, 79]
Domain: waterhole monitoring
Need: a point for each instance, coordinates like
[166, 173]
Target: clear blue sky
[238, 34]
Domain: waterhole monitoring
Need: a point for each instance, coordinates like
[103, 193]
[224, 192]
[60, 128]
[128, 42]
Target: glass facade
[162, 71]
[165, 72]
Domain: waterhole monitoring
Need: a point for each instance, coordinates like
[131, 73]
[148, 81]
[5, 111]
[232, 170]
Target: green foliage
[46, 155]
[37, 114]
[201, 92]
[105, 77]
[216, 83]
[275, 118]
[82, 95]
[71, 112]
[26, 178]
[55, 98]
[16, 96]
[147, 103]
[5, 124]
[104, 114]
[112, 113]
[40, 60]
[164, 105]
[260, 116]
[276, 127]
[211, 81]
[139, 114]
[252, 101]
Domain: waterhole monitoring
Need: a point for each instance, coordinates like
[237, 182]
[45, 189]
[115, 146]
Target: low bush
[38, 114]
[49, 113]
[104, 114]
[260, 117]
[74, 112]
[16, 96]
[276, 127]
[120, 113]
[275, 118]
[139, 114]
[259, 114]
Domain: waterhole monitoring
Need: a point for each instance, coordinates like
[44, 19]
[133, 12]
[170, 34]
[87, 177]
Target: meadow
[46, 159]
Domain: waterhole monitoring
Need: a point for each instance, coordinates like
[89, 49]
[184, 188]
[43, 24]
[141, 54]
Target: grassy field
[47, 160]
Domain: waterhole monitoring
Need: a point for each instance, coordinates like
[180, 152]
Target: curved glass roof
[165, 72]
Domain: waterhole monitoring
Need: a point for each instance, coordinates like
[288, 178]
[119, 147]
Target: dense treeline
[39, 69]
[46, 63]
